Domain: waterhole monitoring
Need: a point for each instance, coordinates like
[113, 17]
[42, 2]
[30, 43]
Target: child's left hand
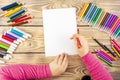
[59, 65]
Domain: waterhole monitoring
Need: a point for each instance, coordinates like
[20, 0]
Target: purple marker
[107, 56]
[114, 20]
[103, 56]
[13, 37]
[8, 35]
[109, 22]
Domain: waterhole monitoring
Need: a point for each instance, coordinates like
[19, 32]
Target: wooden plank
[36, 43]
[35, 8]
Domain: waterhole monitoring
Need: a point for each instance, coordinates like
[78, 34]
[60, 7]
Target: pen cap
[86, 77]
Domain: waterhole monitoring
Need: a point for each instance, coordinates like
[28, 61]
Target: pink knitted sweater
[29, 72]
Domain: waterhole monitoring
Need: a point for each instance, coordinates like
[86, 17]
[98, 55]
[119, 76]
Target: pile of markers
[16, 14]
[100, 19]
[116, 47]
[111, 56]
[104, 56]
[9, 42]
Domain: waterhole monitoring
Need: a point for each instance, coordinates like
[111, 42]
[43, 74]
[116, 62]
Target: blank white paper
[59, 25]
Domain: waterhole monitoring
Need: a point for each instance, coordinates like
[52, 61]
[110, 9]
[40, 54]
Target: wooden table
[32, 50]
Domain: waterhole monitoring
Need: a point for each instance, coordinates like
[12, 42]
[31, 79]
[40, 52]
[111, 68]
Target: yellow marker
[13, 11]
[83, 10]
[116, 51]
[102, 18]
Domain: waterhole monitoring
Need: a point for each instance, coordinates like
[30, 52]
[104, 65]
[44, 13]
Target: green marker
[98, 17]
[95, 15]
[105, 61]
[10, 20]
[117, 32]
[4, 46]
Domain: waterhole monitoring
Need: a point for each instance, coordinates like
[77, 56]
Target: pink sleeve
[25, 72]
[95, 68]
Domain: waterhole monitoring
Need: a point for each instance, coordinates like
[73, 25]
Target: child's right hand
[84, 49]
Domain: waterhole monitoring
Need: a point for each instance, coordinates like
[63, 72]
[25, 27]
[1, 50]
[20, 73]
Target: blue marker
[89, 12]
[93, 15]
[18, 33]
[9, 6]
[16, 14]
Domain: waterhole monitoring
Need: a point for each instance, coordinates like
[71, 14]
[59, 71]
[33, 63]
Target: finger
[65, 60]
[60, 60]
[57, 58]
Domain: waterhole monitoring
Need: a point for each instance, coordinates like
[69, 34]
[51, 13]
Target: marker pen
[6, 47]
[105, 61]
[12, 12]
[14, 7]
[18, 33]
[9, 39]
[16, 14]
[8, 51]
[18, 23]
[103, 56]
[22, 32]
[108, 55]
[18, 37]
[118, 54]
[83, 10]
[23, 16]
[6, 41]
[5, 56]
[98, 17]
[89, 11]
[90, 21]
[9, 6]
[23, 19]
[10, 20]
[12, 37]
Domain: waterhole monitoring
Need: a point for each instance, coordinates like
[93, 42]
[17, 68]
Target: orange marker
[18, 23]
[108, 55]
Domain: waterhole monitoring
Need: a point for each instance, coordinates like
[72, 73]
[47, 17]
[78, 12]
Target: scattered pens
[104, 47]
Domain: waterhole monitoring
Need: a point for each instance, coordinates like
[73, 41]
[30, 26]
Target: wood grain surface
[32, 50]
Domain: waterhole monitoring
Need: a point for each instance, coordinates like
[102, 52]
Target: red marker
[23, 19]
[20, 18]
[9, 39]
[78, 40]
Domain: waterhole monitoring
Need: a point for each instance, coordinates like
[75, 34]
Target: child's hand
[84, 49]
[59, 65]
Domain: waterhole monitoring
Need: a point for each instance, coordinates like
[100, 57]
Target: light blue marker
[16, 14]
[89, 12]
[18, 33]
[93, 15]
[107, 22]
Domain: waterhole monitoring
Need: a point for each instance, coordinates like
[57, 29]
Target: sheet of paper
[59, 25]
